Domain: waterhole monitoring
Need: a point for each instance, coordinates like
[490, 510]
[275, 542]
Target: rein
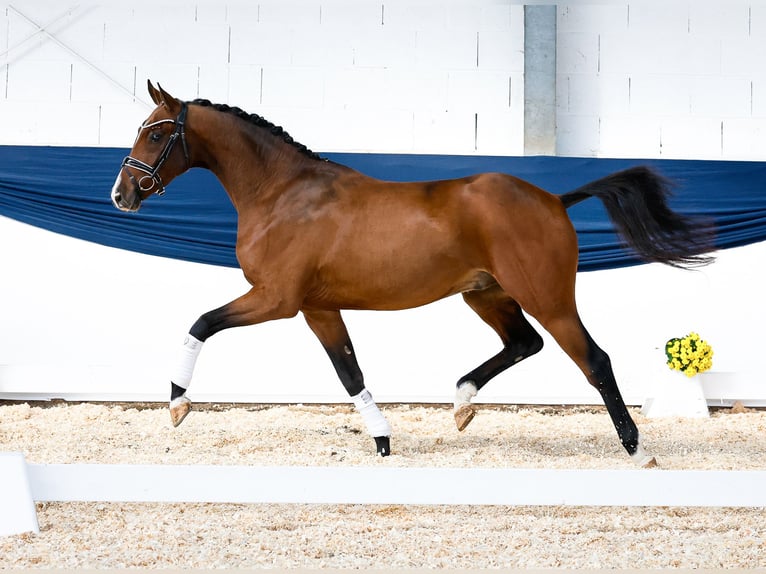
[153, 173]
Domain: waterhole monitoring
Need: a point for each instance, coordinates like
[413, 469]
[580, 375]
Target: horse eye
[154, 137]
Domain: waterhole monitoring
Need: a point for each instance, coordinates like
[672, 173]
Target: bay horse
[317, 237]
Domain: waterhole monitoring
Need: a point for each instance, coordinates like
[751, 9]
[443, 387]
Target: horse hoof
[383, 445]
[179, 408]
[463, 416]
[651, 463]
[642, 459]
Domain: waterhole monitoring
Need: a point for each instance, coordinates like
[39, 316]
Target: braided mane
[259, 121]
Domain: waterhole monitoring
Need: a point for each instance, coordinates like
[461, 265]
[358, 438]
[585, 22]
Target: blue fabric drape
[66, 190]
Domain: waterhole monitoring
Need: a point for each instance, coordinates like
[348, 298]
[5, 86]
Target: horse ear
[154, 93]
[172, 104]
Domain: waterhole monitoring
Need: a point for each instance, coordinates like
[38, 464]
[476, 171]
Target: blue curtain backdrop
[66, 190]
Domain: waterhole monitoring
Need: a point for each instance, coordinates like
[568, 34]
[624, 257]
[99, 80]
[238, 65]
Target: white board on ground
[17, 508]
[387, 485]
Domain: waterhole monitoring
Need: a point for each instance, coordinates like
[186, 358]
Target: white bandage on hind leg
[465, 392]
[376, 423]
[187, 358]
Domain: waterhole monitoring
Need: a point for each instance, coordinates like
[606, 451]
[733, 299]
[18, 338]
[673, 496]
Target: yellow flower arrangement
[689, 354]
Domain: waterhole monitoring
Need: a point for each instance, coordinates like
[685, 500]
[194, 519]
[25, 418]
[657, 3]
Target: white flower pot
[676, 395]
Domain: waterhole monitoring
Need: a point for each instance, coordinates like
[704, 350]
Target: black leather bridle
[153, 172]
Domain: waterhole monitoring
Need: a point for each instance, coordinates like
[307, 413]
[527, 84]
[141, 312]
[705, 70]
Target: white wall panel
[497, 131]
[213, 13]
[293, 87]
[326, 46]
[416, 15]
[260, 44]
[501, 49]
[691, 137]
[216, 83]
[384, 47]
[450, 49]
[660, 95]
[399, 92]
[290, 13]
[438, 132]
[118, 123]
[758, 96]
[30, 123]
[744, 138]
[715, 19]
[485, 16]
[624, 135]
[24, 22]
[757, 19]
[593, 94]
[659, 17]
[385, 130]
[39, 81]
[741, 56]
[577, 53]
[179, 79]
[341, 16]
[112, 83]
[352, 87]
[580, 135]
[478, 91]
[719, 96]
[244, 88]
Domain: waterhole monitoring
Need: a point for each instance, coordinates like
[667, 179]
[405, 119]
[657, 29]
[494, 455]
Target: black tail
[636, 201]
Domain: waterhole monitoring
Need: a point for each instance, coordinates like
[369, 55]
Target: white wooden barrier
[377, 484]
[391, 485]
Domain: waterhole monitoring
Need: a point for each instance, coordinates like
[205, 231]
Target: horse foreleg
[520, 340]
[329, 328]
[255, 306]
[180, 404]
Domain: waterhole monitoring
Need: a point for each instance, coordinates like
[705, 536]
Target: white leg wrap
[464, 394]
[376, 423]
[641, 458]
[186, 361]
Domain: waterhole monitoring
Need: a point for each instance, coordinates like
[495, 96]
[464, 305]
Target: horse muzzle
[129, 202]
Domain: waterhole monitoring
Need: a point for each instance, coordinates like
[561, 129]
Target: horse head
[152, 163]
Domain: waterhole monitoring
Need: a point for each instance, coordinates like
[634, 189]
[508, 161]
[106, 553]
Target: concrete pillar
[540, 80]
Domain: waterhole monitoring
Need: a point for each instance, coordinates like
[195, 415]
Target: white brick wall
[662, 79]
[638, 79]
[340, 75]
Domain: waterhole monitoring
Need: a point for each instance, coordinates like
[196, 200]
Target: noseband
[152, 177]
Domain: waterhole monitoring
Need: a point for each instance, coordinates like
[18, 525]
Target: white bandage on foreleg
[376, 423]
[465, 392]
[187, 358]
[640, 457]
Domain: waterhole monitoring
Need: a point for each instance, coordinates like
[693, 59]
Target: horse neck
[248, 161]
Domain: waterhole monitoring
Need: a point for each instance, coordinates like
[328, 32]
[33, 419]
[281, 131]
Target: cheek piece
[152, 178]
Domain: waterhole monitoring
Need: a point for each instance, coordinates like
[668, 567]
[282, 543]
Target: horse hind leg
[519, 337]
[329, 328]
[575, 340]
